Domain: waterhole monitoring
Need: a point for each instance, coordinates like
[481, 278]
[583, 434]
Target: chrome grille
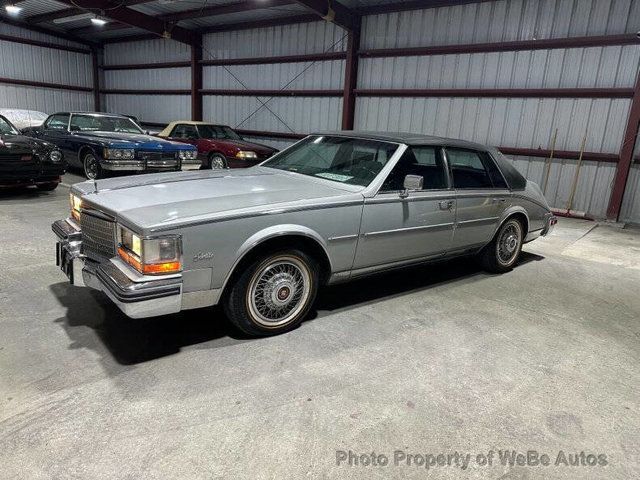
[98, 236]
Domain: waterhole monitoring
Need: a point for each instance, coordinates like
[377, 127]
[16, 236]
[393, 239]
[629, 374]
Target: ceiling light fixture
[12, 9]
[99, 22]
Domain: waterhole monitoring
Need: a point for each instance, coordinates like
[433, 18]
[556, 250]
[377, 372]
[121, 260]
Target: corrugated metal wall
[150, 108]
[299, 114]
[40, 64]
[515, 122]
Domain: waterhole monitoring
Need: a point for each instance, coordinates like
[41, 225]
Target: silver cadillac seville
[330, 208]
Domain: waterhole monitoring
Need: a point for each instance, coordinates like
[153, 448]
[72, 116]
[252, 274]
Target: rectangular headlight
[150, 256]
[188, 154]
[246, 154]
[75, 203]
[119, 153]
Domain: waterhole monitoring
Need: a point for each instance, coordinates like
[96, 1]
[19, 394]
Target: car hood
[245, 145]
[21, 144]
[132, 140]
[167, 200]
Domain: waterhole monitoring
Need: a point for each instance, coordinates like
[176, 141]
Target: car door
[55, 129]
[402, 228]
[481, 196]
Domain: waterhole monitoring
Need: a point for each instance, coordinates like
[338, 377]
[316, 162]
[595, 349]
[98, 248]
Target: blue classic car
[101, 142]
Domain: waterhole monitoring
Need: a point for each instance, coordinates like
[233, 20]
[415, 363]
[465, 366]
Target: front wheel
[274, 294]
[91, 167]
[502, 253]
[217, 162]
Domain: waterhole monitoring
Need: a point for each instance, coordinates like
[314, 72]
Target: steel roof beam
[333, 11]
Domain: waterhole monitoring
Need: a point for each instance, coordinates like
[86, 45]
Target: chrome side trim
[479, 220]
[342, 237]
[445, 195]
[397, 264]
[275, 211]
[406, 229]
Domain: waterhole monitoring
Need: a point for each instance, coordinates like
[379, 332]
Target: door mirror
[74, 128]
[412, 183]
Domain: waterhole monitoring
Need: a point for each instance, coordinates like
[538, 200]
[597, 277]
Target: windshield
[346, 160]
[217, 131]
[98, 123]
[6, 128]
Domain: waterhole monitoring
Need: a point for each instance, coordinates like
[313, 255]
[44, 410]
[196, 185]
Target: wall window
[471, 169]
[423, 161]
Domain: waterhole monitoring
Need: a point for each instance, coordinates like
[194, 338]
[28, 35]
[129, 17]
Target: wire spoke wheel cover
[278, 291]
[509, 242]
[217, 162]
[90, 166]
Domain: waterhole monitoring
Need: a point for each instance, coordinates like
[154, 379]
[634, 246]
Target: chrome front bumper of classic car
[137, 296]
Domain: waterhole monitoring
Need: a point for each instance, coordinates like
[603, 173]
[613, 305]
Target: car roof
[167, 130]
[406, 138]
[91, 113]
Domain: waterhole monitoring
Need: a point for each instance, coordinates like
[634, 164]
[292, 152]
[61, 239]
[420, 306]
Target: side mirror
[74, 128]
[147, 132]
[411, 183]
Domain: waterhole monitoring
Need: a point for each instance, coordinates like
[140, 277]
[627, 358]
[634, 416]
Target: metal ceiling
[203, 13]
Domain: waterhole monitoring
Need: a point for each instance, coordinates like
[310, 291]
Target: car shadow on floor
[130, 341]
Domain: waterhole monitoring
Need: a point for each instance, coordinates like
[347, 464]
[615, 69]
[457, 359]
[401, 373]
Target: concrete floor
[426, 361]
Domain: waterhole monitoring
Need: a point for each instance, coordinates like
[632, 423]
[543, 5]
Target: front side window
[185, 131]
[346, 160]
[213, 132]
[99, 123]
[426, 162]
[471, 169]
[6, 128]
[58, 121]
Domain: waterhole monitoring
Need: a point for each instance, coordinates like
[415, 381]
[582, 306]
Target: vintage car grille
[159, 159]
[98, 236]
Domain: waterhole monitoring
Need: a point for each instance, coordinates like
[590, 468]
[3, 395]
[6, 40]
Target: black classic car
[27, 161]
[102, 142]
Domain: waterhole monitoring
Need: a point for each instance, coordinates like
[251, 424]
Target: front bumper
[191, 164]
[138, 296]
[140, 165]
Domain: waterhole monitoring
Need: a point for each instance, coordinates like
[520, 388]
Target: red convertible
[218, 145]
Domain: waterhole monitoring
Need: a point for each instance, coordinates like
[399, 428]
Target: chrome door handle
[498, 200]
[446, 204]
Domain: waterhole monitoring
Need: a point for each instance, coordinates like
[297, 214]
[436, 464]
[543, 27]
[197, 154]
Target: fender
[273, 232]
[507, 213]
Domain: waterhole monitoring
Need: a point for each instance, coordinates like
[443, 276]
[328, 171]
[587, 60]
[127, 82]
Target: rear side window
[423, 161]
[471, 169]
[185, 131]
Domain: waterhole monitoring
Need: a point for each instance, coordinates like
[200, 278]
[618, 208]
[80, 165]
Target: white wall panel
[150, 108]
[272, 142]
[7, 29]
[592, 190]
[296, 39]
[300, 114]
[155, 78]
[46, 100]
[303, 75]
[502, 20]
[516, 122]
[557, 68]
[146, 51]
[38, 64]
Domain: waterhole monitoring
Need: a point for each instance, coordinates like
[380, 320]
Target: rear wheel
[217, 161]
[47, 187]
[274, 294]
[91, 167]
[503, 251]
